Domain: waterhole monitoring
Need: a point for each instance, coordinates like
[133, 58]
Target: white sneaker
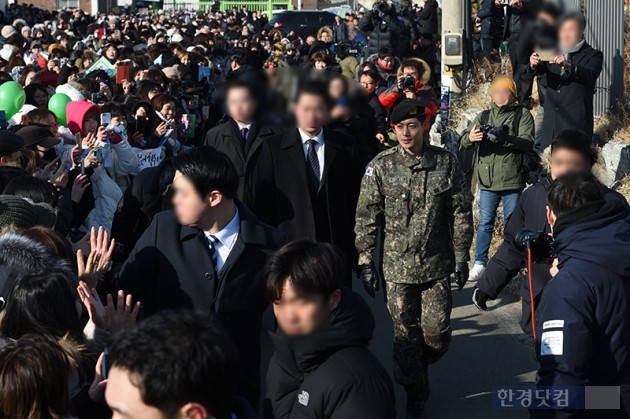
[476, 272]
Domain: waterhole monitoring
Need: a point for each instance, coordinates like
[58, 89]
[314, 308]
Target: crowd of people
[167, 176]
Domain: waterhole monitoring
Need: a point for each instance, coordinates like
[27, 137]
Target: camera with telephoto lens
[408, 84]
[490, 132]
[540, 244]
[381, 6]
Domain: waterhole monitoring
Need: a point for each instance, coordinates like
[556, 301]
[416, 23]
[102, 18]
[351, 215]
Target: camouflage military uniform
[426, 212]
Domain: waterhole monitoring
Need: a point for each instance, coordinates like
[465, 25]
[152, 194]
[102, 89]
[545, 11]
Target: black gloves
[499, 134]
[371, 279]
[461, 274]
[480, 299]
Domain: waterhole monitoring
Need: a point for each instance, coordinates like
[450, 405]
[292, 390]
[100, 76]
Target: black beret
[407, 109]
[9, 142]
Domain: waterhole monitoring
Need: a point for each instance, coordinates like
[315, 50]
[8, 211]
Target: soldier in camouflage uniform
[417, 193]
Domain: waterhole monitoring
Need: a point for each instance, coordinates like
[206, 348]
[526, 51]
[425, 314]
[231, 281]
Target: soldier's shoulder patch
[385, 153]
[369, 171]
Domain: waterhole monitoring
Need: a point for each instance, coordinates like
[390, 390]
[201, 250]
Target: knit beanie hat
[503, 82]
[24, 214]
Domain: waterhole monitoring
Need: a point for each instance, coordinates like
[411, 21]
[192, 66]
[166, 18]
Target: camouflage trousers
[421, 315]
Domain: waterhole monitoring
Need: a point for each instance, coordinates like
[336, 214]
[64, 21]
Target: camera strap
[531, 292]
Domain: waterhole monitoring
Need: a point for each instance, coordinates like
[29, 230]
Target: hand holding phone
[106, 119]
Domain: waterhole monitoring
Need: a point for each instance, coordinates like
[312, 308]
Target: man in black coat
[428, 18]
[492, 16]
[571, 78]
[322, 367]
[207, 255]
[241, 136]
[571, 152]
[384, 28]
[517, 15]
[306, 180]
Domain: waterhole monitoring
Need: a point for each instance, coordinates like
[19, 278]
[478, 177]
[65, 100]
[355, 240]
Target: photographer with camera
[584, 338]
[414, 75]
[383, 26]
[502, 135]
[570, 152]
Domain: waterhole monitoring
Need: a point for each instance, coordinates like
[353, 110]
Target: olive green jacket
[498, 165]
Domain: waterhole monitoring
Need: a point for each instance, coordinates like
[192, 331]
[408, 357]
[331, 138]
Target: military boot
[415, 403]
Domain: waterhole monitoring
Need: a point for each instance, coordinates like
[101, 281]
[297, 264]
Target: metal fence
[605, 32]
[268, 6]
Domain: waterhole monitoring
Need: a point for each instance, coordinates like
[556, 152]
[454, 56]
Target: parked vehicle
[303, 22]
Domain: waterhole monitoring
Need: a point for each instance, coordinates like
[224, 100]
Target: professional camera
[540, 245]
[494, 134]
[408, 84]
[98, 97]
[346, 49]
[381, 7]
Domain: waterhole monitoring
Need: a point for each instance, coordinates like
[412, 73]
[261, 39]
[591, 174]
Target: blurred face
[324, 37]
[501, 97]
[30, 77]
[299, 315]
[91, 122]
[310, 112]
[570, 33]
[368, 84]
[240, 105]
[11, 159]
[565, 161]
[410, 135]
[188, 205]
[548, 19]
[53, 125]
[87, 62]
[110, 53]
[125, 399]
[310, 40]
[411, 71]
[41, 99]
[336, 88]
[320, 65]
[168, 110]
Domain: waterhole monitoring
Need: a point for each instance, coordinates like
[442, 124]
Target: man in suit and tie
[240, 137]
[207, 255]
[306, 179]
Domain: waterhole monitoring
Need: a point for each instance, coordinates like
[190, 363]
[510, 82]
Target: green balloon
[12, 98]
[57, 105]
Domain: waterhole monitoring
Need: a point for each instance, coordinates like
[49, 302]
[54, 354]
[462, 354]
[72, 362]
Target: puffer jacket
[498, 164]
[383, 35]
[330, 374]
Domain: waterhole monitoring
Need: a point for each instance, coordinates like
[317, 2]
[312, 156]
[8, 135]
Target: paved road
[486, 351]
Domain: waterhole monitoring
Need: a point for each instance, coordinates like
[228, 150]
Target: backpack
[529, 164]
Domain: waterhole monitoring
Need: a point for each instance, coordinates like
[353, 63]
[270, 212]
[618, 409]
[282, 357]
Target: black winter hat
[407, 109]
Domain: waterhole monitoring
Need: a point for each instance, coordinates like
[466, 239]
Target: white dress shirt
[240, 129]
[224, 240]
[319, 148]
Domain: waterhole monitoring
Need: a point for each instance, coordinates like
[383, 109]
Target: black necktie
[244, 132]
[313, 166]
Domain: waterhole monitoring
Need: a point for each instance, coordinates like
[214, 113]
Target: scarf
[568, 51]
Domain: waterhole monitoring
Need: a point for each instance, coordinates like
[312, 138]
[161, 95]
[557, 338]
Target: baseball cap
[10, 142]
[36, 135]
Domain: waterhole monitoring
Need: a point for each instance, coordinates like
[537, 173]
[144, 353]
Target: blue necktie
[313, 166]
[213, 251]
